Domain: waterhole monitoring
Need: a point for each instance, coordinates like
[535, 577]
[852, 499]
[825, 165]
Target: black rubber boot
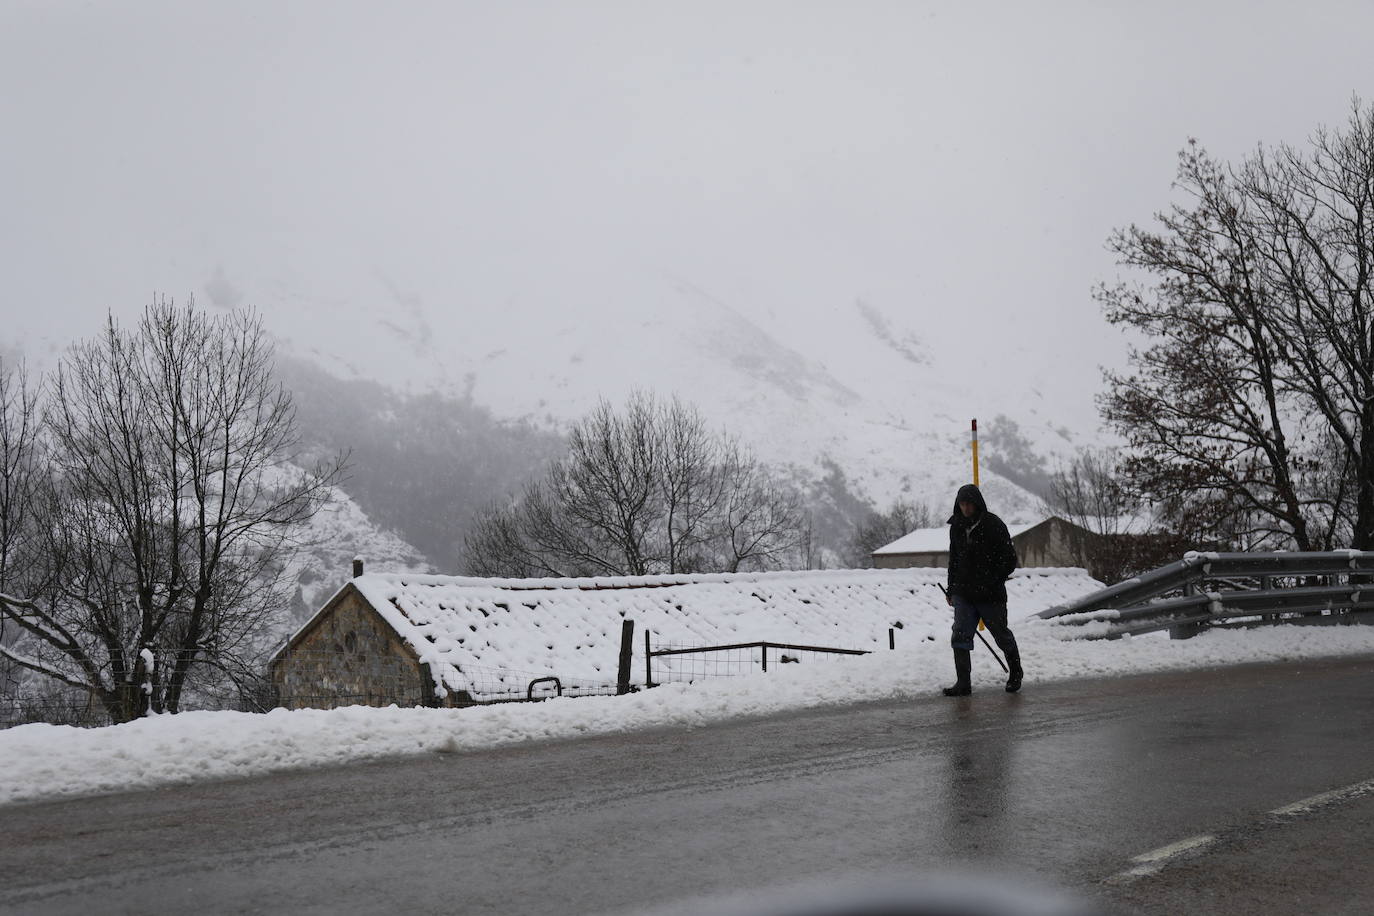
[963, 668]
[1013, 672]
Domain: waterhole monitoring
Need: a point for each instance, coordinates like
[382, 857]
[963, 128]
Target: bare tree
[1092, 492]
[19, 470]
[810, 551]
[20, 476]
[177, 486]
[700, 480]
[648, 489]
[1311, 220]
[493, 545]
[1259, 375]
[760, 522]
[881, 528]
[1089, 492]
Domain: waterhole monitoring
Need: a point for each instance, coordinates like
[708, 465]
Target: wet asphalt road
[1066, 784]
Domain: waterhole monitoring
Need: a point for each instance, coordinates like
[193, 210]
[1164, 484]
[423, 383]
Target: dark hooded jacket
[981, 555]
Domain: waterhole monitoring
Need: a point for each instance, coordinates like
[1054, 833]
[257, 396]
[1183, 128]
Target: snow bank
[45, 761]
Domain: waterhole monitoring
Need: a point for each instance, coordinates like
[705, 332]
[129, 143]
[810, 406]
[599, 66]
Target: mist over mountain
[446, 411]
[323, 562]
[420, 465]
[887, 393]
[488, 397]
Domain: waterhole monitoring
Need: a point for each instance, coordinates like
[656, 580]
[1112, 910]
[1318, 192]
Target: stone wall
[1054, 543]
[349, 657]
[910, 560]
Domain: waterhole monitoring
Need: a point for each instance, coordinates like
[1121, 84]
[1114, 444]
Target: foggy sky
[958, 166]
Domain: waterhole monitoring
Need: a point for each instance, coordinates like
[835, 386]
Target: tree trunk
[125, 703]
[1363, 536]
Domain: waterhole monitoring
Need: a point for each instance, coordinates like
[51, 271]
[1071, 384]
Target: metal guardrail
[1214, 592]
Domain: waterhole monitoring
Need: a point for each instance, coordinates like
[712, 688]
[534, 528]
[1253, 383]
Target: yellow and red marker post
[975, 452]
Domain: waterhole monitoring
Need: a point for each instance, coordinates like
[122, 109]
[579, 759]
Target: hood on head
[968, 493]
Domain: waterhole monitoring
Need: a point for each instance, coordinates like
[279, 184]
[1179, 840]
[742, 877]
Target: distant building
[1054, 542]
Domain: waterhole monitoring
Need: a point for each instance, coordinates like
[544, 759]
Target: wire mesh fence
[686, 662]
[318, 680]
[486, 685]
[54, 709]
[323, 679]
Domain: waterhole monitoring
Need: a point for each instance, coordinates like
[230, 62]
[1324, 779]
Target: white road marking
[1148, 863]
[1353, 790]
[1156, 860]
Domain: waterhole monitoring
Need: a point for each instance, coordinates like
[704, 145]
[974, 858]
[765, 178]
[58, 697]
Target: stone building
[349, 654]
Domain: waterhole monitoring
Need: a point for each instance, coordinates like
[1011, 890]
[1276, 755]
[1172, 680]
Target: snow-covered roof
[475, 632]
[936, 540]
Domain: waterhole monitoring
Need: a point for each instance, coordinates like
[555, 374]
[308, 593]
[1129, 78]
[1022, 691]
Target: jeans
[966, 617]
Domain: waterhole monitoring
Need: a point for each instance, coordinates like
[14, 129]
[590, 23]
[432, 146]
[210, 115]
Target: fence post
[891, 638]
[428, 697]
[648, 661]
[622, 679]
[1186, 630]
[764, 645]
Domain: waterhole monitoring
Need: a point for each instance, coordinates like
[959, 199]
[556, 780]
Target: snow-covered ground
[46, 761]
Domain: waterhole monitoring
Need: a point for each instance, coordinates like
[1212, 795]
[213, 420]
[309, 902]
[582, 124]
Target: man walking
[981, 557]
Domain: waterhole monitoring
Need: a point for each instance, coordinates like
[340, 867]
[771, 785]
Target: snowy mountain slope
[887, 397]
[339, 532]
[807, 377]
[421, 466]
